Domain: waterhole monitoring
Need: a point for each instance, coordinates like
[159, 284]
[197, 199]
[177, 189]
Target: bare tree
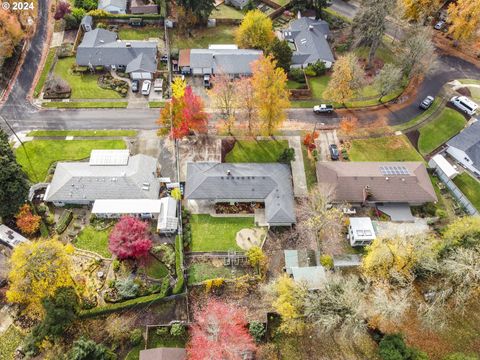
[224, 95]
[389, 79]
[389, 304]
[418, 51]
[246, 98]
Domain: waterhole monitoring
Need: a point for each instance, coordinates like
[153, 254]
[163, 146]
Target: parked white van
[465, 104]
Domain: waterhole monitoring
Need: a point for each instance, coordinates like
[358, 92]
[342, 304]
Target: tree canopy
[130, 239]
[255, 31]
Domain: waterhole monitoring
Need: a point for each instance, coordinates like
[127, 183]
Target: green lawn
[94, 240]
[45, 71]
[156, 104]
[310, 168]
[202, 37]
[469, 187]
[85, 104]
[144, 33]
[318, 85]
[11, 339]
[91, 133]
[156, 341]
[418, 119]
[469, 81]
[292, 84]
[156, 269]
[390, 148]
[262, 151]
[203, 271]
[217, 233]
[281, 2]
[383, 53]
[226, 12]
[43, 153]
[435, 133]
[475, 91]
[83, 86]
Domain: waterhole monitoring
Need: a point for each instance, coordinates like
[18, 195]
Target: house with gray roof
[109, 174]
[230, 60]
[208, 183]
[113, 6]
[308, 38]
[465, 148]
[303, 266]
[239, 4]
[11, 238]
[101, 47]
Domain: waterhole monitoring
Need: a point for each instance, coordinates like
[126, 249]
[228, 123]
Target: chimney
[229, 173]
[310, 27]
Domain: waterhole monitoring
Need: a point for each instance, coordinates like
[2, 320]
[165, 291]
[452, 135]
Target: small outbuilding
[10, 238]
[303, 267]
[361, 231]
[439, 162]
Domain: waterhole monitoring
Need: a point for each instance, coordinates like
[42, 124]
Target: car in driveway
[464, 104]
[135, 86]
[146, 87]
[439, 25]
[427, 102]
[323, 109]
[334, 155]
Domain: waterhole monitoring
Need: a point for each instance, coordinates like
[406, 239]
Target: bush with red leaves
[130, 239]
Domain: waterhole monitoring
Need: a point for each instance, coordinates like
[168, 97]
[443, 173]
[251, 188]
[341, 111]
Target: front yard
[261, 151]
[202, 37]
[43, 153]
[390, 148]
[470, 187]
[84, 86]
[449, 123]
[217, 233]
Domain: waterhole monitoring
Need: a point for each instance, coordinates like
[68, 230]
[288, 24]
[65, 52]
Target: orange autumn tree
[184, 115]
[464, 16]
[11, 34]
[27, 222]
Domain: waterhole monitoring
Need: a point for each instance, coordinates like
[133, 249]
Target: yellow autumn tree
[255, 31]
[38, 269]
[464, 16]
[178, 87]
[257, 259]
[419, 9]
[347, 77]
[271, 94]
[10, 34]
[289, 303]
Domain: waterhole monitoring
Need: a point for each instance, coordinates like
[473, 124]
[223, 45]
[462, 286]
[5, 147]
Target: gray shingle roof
[349, 180]
[469, 142]
[310, 42]
[120, 4]
[270, 183]
[100, 47]
[84, 182]
[231, 61]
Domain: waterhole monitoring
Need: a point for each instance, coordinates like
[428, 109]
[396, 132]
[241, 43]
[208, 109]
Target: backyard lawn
[217, 233]
[203, 271]
[83, 86]
[43, 153]
[390, 148]
[226, 12]
[144, 33]
[469, 187]
[156, 269]
[202, 37]
[261, 151]
[435, 133]
[94, 240]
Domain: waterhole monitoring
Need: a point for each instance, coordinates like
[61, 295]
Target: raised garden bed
[238, 208]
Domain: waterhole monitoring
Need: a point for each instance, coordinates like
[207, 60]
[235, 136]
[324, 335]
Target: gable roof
[100, 47]
[81, 181]
[230, 61]
[469, 141]
[270, 183]
[163, 354]
[309, 36]
[349, 180]
[299, 258]
[119, 4]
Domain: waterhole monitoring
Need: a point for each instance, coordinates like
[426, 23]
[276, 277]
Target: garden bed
[238, 208]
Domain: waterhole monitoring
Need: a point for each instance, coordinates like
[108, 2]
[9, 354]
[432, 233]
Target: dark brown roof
[184, 57]
[409, 182]
[163, 354]
[144, 9]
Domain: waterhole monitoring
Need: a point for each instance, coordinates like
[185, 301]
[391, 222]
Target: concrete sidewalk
[298, 167]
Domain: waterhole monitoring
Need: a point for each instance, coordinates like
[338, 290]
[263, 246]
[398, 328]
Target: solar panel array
[394, 170]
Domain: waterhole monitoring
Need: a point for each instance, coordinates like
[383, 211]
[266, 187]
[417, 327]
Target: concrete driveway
[325, 138]
[388, 229]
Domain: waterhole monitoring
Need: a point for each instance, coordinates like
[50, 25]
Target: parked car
[439, 25]
[206, 81]
[427, 102]
[158, 85]
[135, 86]
[333, 151]
[323, 108]
[147, 85]
[464, 104]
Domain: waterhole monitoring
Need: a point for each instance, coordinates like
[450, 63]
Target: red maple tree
[183, 116]
[27, 222]
[129, 239]
[219, 332]
[62, 9]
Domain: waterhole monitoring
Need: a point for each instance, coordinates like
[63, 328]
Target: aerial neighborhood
[240, 180]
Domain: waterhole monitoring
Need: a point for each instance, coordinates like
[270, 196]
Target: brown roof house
[377, 183]
[163, 354]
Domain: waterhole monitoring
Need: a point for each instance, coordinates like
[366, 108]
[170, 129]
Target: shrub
[27, 222]
[176, 194]
[127, 288]
[136, 337]
[317, 69]
[257, 330]
[162, 331]
[50, 220]
[310, 72]
[42, 209]
[297, 75]
[166, 253]
[177, 330]
[287, 156]
[326, 261]
[116, 265]
[64, 221]
[101, 25]
[393, 347]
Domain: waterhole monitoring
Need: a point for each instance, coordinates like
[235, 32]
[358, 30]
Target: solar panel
[394, 170]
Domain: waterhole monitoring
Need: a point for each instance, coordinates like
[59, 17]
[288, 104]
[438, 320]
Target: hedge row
[107, 309]
[179, 265]
[128, 16]
[64, 221]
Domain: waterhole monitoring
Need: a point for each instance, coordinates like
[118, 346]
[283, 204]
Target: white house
[113, 6]
[361, 231]
[465, 148]
[11, 238]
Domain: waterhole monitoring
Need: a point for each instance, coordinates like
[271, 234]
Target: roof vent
[229, 173]
[310, 27]
[387, 178]
[128, 44]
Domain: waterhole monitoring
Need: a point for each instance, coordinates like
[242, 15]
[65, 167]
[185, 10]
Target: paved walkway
[298, 168]
[57, 39]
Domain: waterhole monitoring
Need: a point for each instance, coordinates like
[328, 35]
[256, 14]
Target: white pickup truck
[323, 108]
